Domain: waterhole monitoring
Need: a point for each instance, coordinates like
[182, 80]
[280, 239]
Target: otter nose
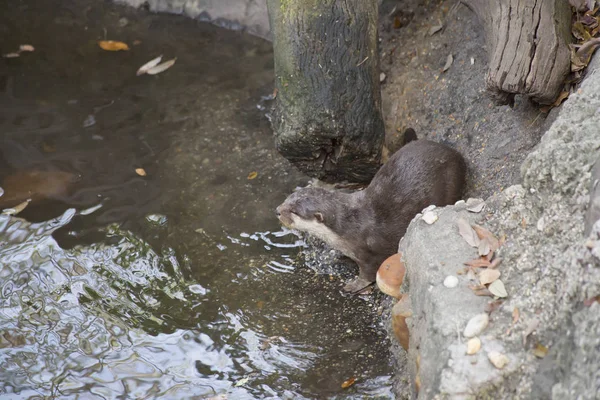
[278, 211]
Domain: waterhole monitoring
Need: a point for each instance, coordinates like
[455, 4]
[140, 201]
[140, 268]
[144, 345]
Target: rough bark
[527, 46]
[327, 118]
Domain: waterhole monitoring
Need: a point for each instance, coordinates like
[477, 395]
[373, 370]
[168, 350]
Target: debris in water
[112, 45]
[140, 171]
[161, 67]
[349, 382]
[16, 209]
[150, 64]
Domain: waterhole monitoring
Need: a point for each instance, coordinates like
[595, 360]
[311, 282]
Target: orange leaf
[252, 175]
[112, 45]
[484, 234]
[348, 383]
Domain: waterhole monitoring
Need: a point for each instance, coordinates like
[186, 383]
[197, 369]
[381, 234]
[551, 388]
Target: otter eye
[319, 217]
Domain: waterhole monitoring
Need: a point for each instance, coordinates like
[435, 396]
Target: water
[177, 284]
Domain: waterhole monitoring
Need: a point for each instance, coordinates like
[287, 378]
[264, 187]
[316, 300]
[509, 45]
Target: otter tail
[409, 135]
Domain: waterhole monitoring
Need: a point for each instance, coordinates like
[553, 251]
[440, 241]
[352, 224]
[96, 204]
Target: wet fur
[367, 225]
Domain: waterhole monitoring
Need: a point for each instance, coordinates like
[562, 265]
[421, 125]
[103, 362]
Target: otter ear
[319, 217]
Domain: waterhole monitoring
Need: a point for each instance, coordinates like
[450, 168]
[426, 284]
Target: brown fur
[368, 225]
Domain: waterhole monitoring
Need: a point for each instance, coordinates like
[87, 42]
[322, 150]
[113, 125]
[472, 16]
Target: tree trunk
[327, 118]
[527, 46]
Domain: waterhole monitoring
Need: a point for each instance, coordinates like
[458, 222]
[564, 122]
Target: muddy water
[179, 283]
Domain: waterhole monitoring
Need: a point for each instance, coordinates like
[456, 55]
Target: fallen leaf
[449, 61]
[488, 276]
[579, 31]
[252, 175]
[493, 306]
[467, 232]
[515, 315]
[475, 205]
[242, 382]
[495, 263]
[591, 300]
[540, 351]
[561, 97]
[11, 55]
[484, 248]
[150, 64]
[483, 292]
[580, 58]
[484, 234]
[531, 327]
[26, 47]
[397, 23]
[497, 288]
[349, 382]
[140, 171]
[478, 263]
[16, 209]
[161, 67]
[112, 45]
[435, 29]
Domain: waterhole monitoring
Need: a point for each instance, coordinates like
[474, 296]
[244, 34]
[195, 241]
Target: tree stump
[527, 46]
[327, 117]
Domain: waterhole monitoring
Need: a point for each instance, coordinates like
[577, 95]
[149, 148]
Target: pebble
[451, 281]
[430, 217]
[476, 325]
[382, 77]
[499, 360]
[473, 346]
[475, 205]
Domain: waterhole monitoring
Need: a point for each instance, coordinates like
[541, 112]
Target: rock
[476, 325]
[473, 345]
[429, 217]
[499, 360]
[451, 281]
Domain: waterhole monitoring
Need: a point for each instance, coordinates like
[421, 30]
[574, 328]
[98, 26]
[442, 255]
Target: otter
[367, 225]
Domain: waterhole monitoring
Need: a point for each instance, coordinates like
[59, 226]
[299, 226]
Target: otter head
[309, 210]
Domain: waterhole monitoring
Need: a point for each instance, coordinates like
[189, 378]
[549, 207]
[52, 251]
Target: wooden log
[527, 44]
[327, 117]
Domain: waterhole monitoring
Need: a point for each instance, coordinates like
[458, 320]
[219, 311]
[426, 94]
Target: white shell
[451, 281]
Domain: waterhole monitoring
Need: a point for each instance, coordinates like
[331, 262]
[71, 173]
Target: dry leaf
[150, 64]
[435, 29]
[483, 292]
[483, 233]
[515, 315]
[475, 205]
[449, 61]
[493, 306]
[112, 45]
[579, 31]
[467, 232]
[478, 263]
[591, 300]
[26, 47]
[495, 263]
[581, 57]
[533, 325]
[252, 175]
[16, 209]
[349, 382]
[488, 276]
[140, 171]
[497, 288]
[561, 97]
[161, 67]
[540, 351]
[484, 247]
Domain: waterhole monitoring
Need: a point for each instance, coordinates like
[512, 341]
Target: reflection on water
[179, 283]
